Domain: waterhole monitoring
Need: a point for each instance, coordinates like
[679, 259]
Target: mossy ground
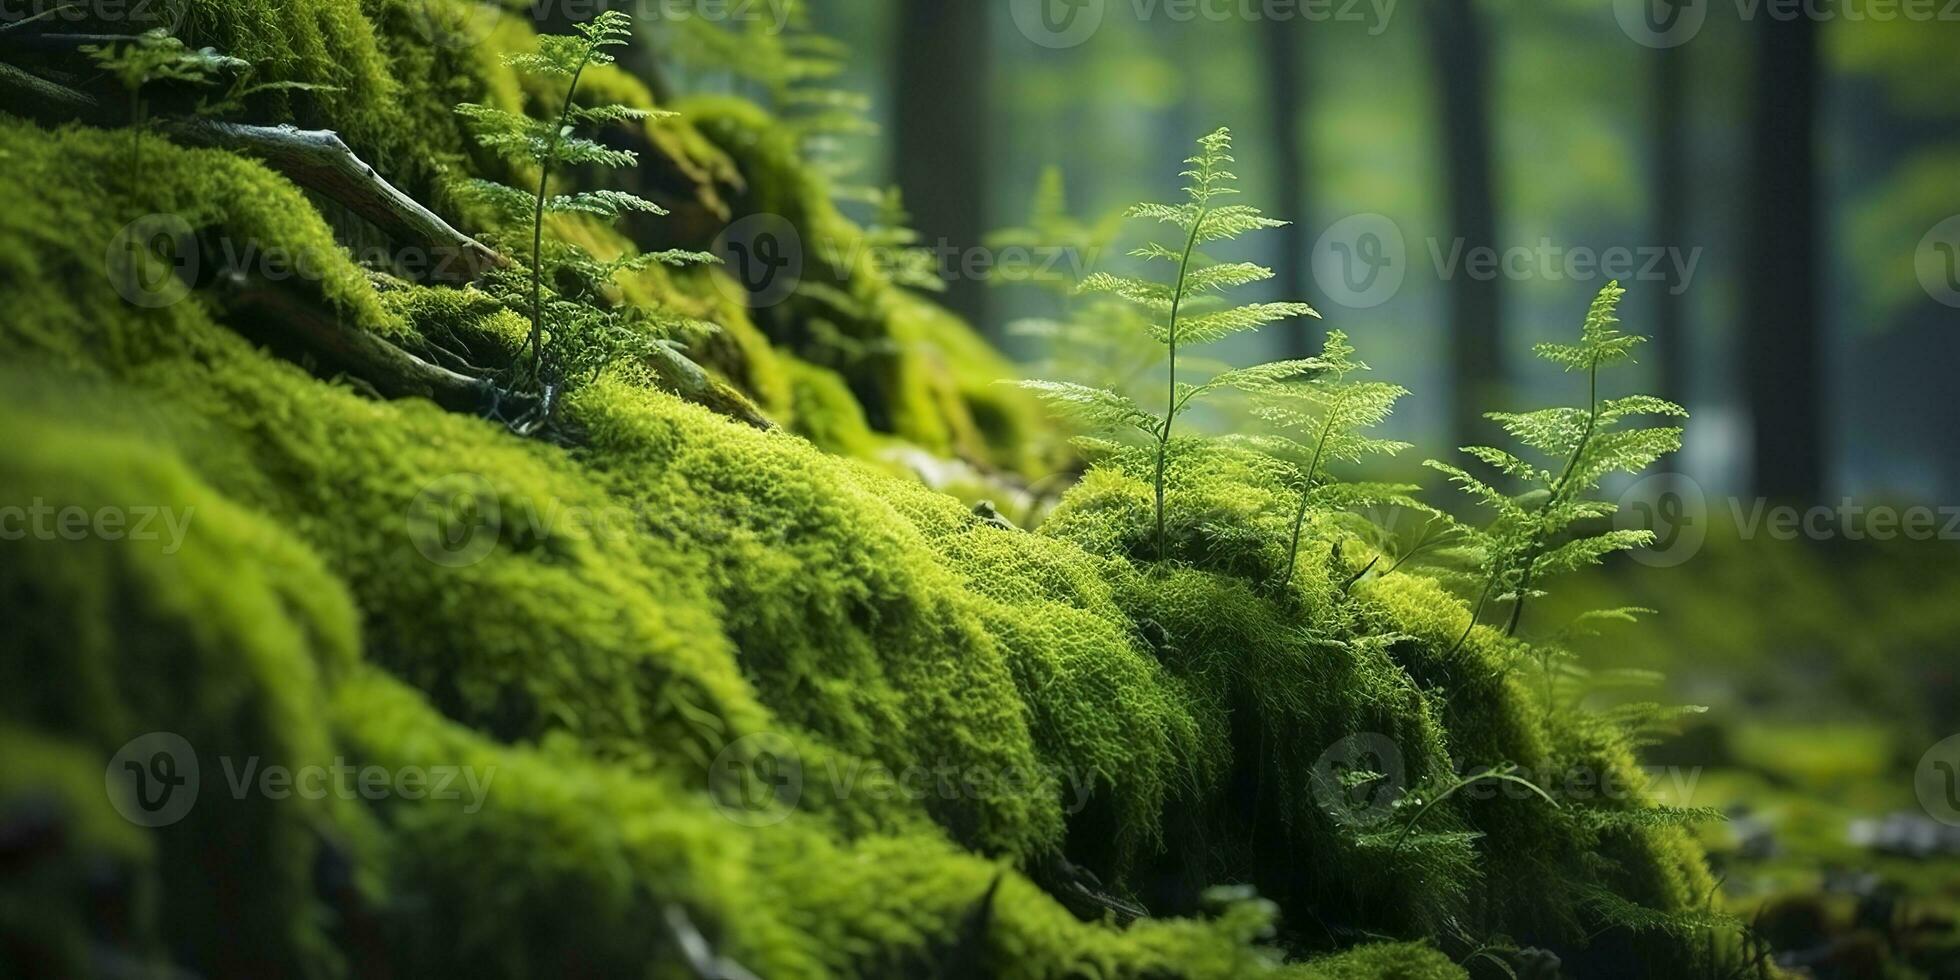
[606, 632]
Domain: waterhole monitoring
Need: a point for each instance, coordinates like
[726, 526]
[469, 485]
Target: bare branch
[318, 160]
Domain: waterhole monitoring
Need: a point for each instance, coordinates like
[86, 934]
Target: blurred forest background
[1790, 167]
[1779, 187]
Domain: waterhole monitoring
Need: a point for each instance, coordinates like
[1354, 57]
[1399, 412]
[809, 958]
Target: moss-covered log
[724, 692]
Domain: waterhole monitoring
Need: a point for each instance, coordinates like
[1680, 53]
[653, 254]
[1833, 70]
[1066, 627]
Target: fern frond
[1213, 327]
[1589, 443]
[1099, 408]
[1153, 296]
[577, 335]
[602, 204]
[1169, 304]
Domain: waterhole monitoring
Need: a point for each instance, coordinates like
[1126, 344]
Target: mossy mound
[711, 691]
[606, 633]
[388, 75]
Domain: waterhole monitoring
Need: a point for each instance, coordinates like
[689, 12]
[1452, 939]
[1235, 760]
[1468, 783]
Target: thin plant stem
[1171, 405]
[537, 219]
[1313, 470]
[1559, 488]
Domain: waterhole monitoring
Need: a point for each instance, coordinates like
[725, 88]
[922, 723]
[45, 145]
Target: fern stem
[1313, 469]
[1476, 613]
[1356, 577]
[537, 218]
[1170, 404]
[1558, 488]
[1497, 774]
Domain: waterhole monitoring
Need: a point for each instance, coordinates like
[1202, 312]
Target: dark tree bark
[939, 150]
[1782, 330]
[1283, 45]
[1670, 216]
[1461, 56]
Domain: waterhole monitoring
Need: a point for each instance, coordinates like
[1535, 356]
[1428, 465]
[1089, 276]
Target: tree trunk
[1461, 57]
[1670, 216]
[939, 150]
[1283, 45]
[1782, 340]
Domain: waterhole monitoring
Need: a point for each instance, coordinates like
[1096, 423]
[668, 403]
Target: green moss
[608, 633]
[218, 628]
[920, 373]
[823, 411]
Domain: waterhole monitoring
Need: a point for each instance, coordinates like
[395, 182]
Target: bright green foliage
[585, 334]
[920, 373]
[1203, 220]
[1330, 413]
[1536, 533]
[680, 582]
[684, 581]
[793, 69]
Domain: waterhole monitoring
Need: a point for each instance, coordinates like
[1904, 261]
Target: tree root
[315, 159]
[302, 326]
[318, 160]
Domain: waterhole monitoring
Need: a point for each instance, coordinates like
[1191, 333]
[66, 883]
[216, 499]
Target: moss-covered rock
[712, 688]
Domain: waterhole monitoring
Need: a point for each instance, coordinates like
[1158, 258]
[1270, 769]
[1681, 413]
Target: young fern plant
[1532, 536]
[576, 331]
[1173, 305]
[158, 56]
[1331, 412]
[155, 56]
